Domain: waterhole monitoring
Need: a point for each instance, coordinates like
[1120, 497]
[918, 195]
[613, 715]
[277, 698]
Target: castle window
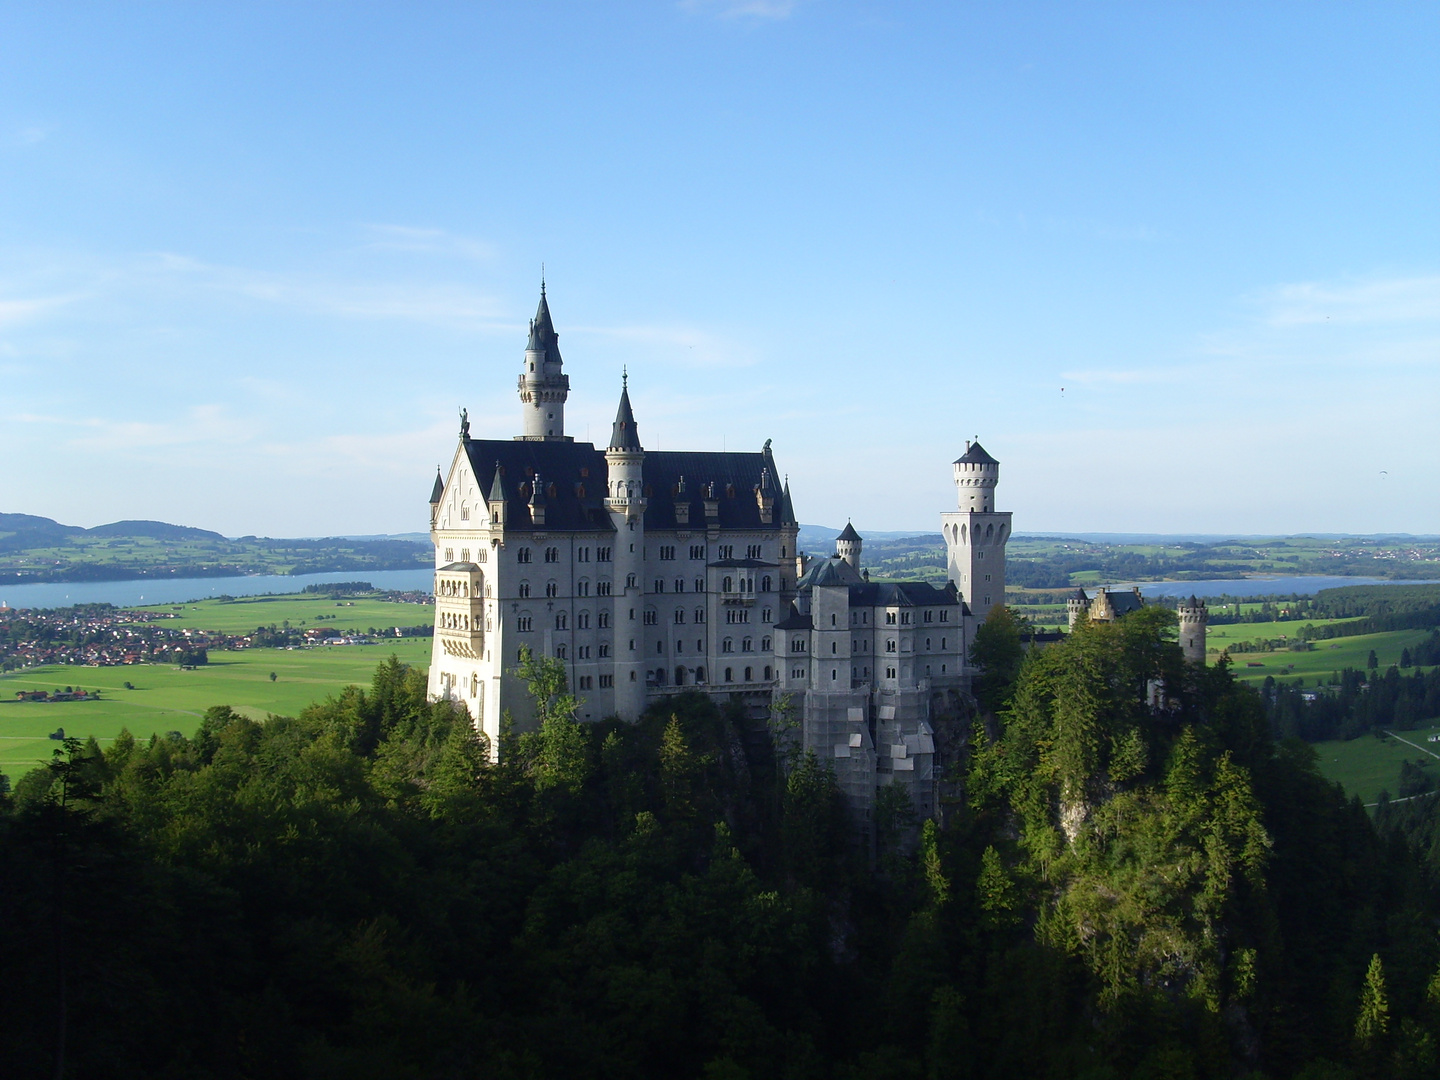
[522, 623]
[679, 676]
[586, 681]
[602, 554]
[764, 644]
[727, 646]
[560, 652]
[679, 616]
[602, 619]
[630, 581]
[659, 647]
[765, 583]
[747, 674]
[524, 590]
[797, 645]
[699, 674]
[725, 585]
[832, 620]
[607, 681]
[679, 647]
[890, 618]
[797, 673]
[602, 588]
[697, 551]
[929, 616]
[679, 584]
[765, 615]
[834, 647]
[552, 590]
[464, 512]
[752, 551]
[582, 652]
[699, 644]
[747, 645]
[650, 617]
[890, 645]
[464, 554]
[562, 621]
[889, 673]
[905, 617]
[699, 584]
[482, 556]
[987, 598]
[552, 554]
[449, 555]
[582, 588]
[727, 551]
[603, 649]
[699, 614]
[729, 676]
[522, 555]
[582, 554]
[942, 645]
[667, 552]
[927, 644]
[769, 674]
[944, 616]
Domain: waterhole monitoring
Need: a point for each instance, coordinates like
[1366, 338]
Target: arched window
[562, 621]
[725, 585]
[552, 555]
[728, 645]
[699, 584]
[745, 645]
[699, 674]
[630, 581]
[582, 620]
[699, 614]
[524, 589]
[747, 674]
[765, 581]
[729, 675]
[552, 590]
[659, 676]
[765, 645]
[768, 674]
[679, 676]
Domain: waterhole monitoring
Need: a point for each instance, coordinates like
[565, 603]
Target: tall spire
[624, 435]
[544, 386]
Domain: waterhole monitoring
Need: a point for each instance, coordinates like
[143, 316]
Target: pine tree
[1372, 1022]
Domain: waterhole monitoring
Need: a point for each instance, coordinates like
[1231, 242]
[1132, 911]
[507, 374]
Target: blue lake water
[1256, 586]
[176, 590]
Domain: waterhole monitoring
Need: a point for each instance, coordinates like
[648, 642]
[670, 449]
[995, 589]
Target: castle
[650, 573]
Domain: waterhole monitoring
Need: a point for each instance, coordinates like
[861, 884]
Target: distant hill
[34, 548]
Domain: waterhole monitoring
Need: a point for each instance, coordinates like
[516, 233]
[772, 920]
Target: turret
[625, 501]
[1076, 604]
[976, 474]
[1194, 617]
[544, 387]
[436, 494]
[847, 546]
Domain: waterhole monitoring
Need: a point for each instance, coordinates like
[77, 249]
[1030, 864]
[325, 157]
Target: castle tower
[847, 546]
[544, 386]
[976, 534]
[1075, 606]
[1194, 617]
[625, 502]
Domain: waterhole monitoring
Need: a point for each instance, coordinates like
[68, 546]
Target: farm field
[1324, 658]
[243, 614]
[168, 699]
[1368, 765]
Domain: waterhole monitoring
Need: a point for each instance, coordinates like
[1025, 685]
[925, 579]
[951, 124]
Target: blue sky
[1177, 266]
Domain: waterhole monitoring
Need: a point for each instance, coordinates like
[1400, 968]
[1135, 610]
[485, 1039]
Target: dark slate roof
[976, 455]
[734, 476]
[901, 594]
[624, 435]
[743, 564]
[569, 468]
[831, 572]
[1079, 594]
[543, 337]
[795, 621]
[786, 510]
[849, 534]
[438, 491]
[461, 567]
[1123, 603]
[573, 475]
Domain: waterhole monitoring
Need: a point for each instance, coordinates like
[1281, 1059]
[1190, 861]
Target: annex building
[648, 573]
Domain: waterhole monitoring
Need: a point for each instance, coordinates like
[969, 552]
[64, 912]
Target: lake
[1256, 586]
[54, 594]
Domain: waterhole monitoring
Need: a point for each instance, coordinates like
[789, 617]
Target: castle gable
[572, 474]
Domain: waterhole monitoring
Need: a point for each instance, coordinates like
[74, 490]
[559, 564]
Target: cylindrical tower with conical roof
[847, 546]
[544, 386]
[625, 502]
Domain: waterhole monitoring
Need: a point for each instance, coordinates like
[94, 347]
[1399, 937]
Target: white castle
[651, 573]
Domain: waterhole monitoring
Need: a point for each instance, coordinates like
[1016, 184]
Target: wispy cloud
[1388, 300]
[427, 242]
[18, 311]
[742, 9]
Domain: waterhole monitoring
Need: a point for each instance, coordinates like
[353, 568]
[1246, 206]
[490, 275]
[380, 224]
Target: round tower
[976, 474]
[1194, 617]
[847, 546]
[625, 501]
[1076, 606]
[544, 386]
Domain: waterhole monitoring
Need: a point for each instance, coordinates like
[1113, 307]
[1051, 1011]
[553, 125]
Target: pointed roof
[624, 435]
[787, 508]
[849, 535]
[438, 490]
[543, 337]
[975, 455]
[497, 489]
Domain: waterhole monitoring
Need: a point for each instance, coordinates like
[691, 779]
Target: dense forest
[1132, 884]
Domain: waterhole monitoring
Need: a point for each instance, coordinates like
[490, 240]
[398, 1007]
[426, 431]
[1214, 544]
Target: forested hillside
[1125, 890]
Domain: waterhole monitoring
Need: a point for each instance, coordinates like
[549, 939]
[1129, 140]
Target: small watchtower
[1075, 606]
[847, 546]
[1194, 617]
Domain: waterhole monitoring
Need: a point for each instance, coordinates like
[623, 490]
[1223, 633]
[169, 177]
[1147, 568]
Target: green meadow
[168, 699]
[1370, 764]
[243, 614]
[1317, 664]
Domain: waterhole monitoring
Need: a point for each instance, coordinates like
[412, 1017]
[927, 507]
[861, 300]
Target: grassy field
[1368, 765]
[246, 613]
[1327, 656]
[168, 699]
